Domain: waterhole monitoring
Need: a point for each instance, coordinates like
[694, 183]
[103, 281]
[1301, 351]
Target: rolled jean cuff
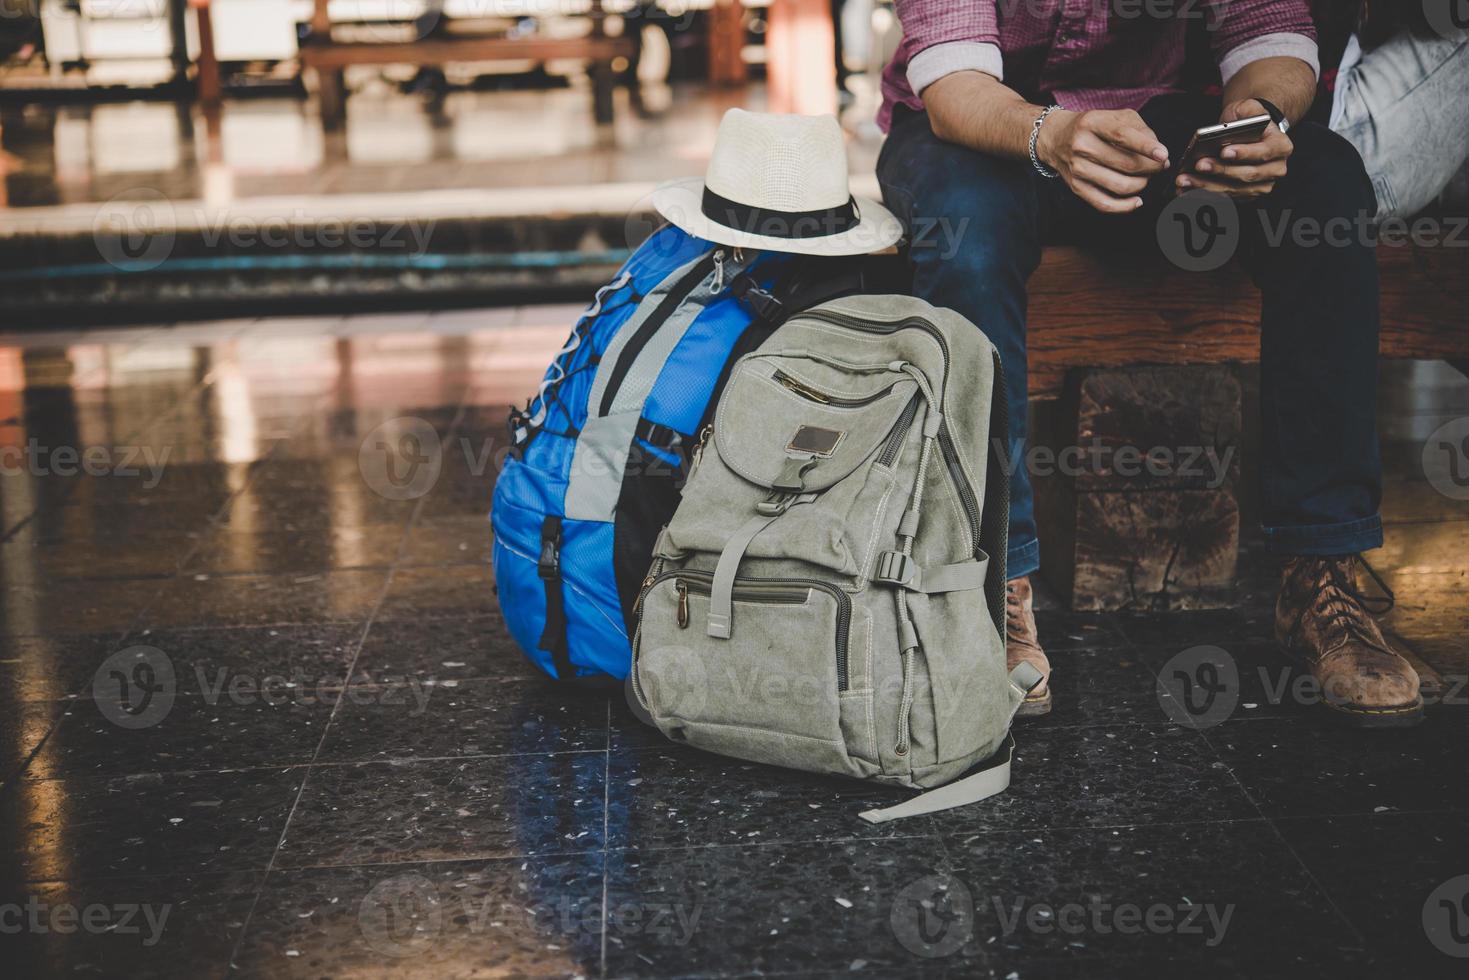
[1022, 559]
[1346, 538]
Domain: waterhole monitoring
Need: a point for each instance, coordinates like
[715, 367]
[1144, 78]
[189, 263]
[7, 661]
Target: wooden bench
[1089, 310]
[330, 59]
[1130, 354]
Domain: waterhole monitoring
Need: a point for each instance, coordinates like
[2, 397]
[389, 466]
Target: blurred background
[167, 159]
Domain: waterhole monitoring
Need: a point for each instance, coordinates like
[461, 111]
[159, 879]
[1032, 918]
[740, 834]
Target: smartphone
[1210, 141]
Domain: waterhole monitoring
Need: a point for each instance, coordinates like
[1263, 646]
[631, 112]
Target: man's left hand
[1247, 169]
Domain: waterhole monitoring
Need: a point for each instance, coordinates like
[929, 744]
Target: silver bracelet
[1035, 134]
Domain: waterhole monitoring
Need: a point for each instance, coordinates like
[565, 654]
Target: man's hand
[1105, 156]
[1247, 169]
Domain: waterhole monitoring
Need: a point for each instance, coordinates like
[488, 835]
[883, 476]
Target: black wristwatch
[1281, 122]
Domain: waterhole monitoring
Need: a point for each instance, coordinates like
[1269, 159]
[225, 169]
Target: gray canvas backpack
[830, 594]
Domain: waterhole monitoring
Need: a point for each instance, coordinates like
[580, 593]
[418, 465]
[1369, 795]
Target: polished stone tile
[63, 608]
[153, 926]
[440, 650]
[675, 796]
[1098, 687]
[231, 549]
[256, 600]
[41, 668]
[235, 729]
[1061, 630]
[1105, 777]
[155, 823]
[434, 593]
[491, 716]
[504, 917]
[1229, 892]
[768, 909]
[454, 541]
[1381, 870]
[23, 728]
[1318, 766]
[282, 662]
[444, 809]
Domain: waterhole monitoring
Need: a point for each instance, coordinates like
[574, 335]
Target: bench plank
[1090, 309]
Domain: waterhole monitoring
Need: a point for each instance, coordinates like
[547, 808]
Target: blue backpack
[598, 456]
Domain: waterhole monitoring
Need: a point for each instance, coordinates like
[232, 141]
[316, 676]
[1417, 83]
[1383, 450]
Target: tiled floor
[356, 774]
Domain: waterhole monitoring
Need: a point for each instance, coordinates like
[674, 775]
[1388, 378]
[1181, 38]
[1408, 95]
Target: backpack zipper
[826, 398]
[650, 326]
[894, 445]
[967, 497]
[775, 595]
[761, 590]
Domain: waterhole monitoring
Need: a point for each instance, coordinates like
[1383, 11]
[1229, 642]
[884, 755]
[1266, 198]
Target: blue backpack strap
[553, 637]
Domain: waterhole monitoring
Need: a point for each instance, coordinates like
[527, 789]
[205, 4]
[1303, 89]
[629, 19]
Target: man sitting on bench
[1066, 122]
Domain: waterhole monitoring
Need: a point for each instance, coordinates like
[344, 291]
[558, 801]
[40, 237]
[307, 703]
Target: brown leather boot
[1022, 643]
[1324, 622]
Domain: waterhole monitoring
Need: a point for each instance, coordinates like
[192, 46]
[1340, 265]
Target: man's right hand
[1105, 155]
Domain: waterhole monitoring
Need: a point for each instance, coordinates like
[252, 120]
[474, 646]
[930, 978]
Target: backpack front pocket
[771, 691]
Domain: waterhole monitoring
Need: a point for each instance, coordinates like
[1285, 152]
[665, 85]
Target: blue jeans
[1403, 107]
[976, 225]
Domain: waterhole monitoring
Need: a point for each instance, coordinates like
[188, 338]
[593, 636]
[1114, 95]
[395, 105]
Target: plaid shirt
[1086, 54]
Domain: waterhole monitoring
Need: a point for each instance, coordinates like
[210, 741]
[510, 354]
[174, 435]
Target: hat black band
[770, 223]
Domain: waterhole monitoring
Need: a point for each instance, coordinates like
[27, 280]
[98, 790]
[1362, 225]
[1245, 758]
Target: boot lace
[1343, 611]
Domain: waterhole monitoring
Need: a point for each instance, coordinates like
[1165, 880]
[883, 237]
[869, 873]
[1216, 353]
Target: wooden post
[600, 70]
[1135, 474]
[208, 69]
[800, 65]
[727, 43]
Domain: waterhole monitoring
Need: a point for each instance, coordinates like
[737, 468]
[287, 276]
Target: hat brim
[680, 201]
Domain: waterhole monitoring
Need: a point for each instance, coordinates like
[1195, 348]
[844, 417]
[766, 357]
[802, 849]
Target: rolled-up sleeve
[1245, 31]
[946, 36]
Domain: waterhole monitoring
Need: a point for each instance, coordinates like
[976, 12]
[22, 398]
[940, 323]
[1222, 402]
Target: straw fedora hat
[778, 182]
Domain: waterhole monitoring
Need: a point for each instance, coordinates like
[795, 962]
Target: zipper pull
[698, 454]
[683, 605]
[718, 269]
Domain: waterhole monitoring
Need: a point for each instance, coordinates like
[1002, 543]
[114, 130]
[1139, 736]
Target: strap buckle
[895, 568]
[549, 564]
[761, 302]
